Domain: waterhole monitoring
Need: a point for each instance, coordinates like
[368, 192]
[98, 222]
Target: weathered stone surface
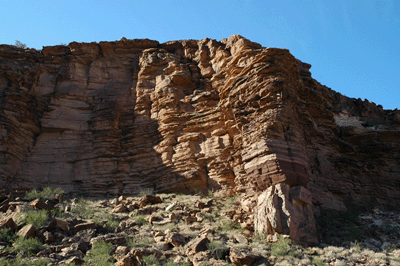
[149, 199]
[40, 204]
[284, 210]
[196, 245]
[120, 208]
[84, 226]
[27, 231]
[176, 239]
[241, 257]
[116, 118]
[9, 223]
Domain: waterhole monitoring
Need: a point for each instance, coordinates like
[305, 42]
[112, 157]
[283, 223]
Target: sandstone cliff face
[112, 118]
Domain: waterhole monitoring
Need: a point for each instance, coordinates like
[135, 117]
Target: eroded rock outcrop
[113, 118]
[285, 210]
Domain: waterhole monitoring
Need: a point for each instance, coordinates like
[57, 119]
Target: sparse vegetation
[217, 249]
[147, 191]
[82, 209]
[139, 242]
[219, 217]
[100, 254]
[6, 235]
[47, 193]
[26, 247]
[111, 223]
[20, 44]
[151, 260]
[280, 247]
[141, 220]
[20, 261]
[36, 217]
[318, 261]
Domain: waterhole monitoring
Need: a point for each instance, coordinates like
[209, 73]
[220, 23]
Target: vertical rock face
[285, 210]
[113, 118]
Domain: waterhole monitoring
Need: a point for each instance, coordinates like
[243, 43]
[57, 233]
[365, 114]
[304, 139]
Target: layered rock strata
[112, 118]
[285, 210]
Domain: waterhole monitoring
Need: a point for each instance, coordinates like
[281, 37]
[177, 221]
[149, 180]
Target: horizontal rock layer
[112, 118]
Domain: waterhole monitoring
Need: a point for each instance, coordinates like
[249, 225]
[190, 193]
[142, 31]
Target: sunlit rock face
[111, 118]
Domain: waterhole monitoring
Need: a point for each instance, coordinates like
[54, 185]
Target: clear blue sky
[352, 45]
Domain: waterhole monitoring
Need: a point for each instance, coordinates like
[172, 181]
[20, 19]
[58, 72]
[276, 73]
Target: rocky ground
[44, 228]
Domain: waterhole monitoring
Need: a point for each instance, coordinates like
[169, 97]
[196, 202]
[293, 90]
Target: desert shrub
[46, 194]
[280, 247]
[232, 200]
[151, 260]
[141, 220]
[6, 235]
[147, 191]
[20, 44]
[210, 217]
[111, 223]
[26, 247]
[171, 262]
[20, 261]
[37, 218]
[57, 213]
[318, 261]
[356, 245]
[260, 237]
[217, 249]
[139, 242]
[82, 209]
[100, 254]
[229, 225]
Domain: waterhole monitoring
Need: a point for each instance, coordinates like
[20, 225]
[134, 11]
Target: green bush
[280, 247]
[229, 225]
[151, 260]
[37, 218]
[140, 242]
[141, 220]
[171, 262]
[6, 235]
[111, 223]
[20, 261]
[57, 213]
[26, 247]
[100, 254]
[46, 194]
[217, 249]
[317, 261]
[82, 209]
[144, 192]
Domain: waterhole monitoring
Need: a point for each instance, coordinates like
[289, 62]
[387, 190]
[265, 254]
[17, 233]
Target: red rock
[196, 245]
[115, 118]
[61, 224]
[149, 199]
[48, 237]
[241, 257]
[200, 257]
[281, 210]
[85, 226]
[9, 223]
[120, 208]
[40, 204]
[176, 239]
[27, 231]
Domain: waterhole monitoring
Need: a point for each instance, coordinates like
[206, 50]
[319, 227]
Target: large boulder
[286, 210]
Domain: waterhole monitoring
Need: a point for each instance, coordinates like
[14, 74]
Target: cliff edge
[113, 118]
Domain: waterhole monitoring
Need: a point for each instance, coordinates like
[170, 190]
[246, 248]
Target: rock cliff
[112, 118]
